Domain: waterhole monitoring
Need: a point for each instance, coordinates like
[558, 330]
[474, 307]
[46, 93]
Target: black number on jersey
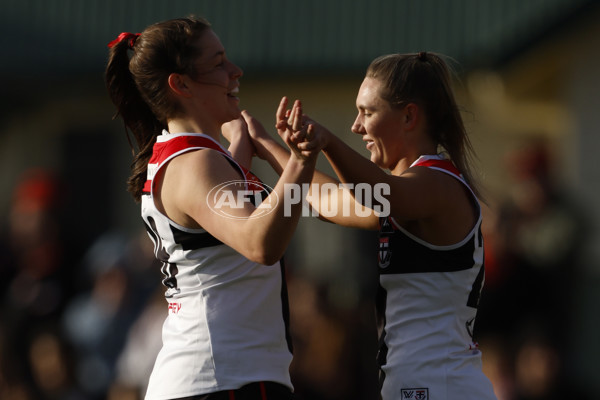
[169, 270]
[475, 295]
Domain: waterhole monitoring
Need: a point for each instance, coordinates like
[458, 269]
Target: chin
[375, 160]
[236, 114]
[232, 117]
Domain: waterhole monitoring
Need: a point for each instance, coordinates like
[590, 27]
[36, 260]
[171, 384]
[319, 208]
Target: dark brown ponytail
[136, 78]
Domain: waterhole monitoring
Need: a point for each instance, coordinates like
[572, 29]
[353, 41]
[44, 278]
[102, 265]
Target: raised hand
[257, 133]
[303, 136]
[241, 146]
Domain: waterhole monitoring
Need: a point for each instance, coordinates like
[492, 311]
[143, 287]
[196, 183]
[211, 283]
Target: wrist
[328, 139]
[301, 161]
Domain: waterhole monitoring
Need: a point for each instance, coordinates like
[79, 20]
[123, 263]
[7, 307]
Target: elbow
[265, 256]
[261, 248]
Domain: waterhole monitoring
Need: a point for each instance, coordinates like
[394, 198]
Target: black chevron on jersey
[417, 257]
[190, 241]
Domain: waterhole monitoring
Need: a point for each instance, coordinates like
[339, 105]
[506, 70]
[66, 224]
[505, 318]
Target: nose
[236, 72]
[357, 126]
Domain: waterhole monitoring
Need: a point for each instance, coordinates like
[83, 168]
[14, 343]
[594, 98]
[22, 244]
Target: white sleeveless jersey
[225, 323]
[429, 295]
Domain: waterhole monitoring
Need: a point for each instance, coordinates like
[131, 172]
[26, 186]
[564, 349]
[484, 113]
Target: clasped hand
[304, 137]
[298, 132]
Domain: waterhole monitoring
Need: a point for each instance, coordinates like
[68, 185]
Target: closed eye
[364, 111]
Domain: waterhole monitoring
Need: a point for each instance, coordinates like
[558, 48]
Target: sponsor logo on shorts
[415, 394]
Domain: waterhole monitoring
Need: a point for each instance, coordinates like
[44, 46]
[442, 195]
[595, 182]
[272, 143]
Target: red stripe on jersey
[163, 150]
[263, 391]
[443, 164]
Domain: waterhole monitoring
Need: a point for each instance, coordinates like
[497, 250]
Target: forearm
[270, 234]
[319, 198]
[274, 153]
[350, 166]
[277, 156]
[242, 150]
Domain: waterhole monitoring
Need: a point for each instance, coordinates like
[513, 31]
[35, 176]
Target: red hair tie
[131, 37]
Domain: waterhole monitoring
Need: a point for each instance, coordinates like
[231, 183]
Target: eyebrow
[216, 54]
[219, 54]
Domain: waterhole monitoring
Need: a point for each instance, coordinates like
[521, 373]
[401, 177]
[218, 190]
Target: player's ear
[178, 85]
[412, 115]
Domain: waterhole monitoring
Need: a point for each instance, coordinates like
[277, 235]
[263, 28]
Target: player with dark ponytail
[225, 333]
[136, 77]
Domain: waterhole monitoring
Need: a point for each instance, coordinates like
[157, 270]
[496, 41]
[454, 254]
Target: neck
[180, 125]
[402, 165]
[405, 162]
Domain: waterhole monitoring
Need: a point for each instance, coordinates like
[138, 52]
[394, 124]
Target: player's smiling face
[216, 81]
[378, 123]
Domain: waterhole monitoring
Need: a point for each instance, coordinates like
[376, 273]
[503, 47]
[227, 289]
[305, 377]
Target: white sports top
[225, 324]
[429, 295]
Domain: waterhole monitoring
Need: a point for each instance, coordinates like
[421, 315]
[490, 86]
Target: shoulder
[449, 195]
[188, 179]
[441, 209]
[202, 160]
[423, 193]
[199, 168]
[434, 179]
[423, 180]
